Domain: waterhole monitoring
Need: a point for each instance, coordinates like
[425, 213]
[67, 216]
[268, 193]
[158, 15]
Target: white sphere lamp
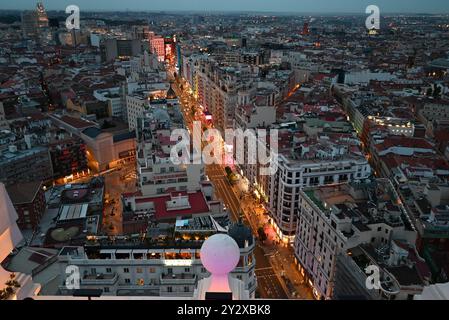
[220, 254]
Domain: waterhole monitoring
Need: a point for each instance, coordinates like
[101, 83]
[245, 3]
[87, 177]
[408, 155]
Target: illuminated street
[271, 269]
[274, 152]
[117, 182]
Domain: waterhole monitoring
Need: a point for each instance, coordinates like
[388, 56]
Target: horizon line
[243, 11]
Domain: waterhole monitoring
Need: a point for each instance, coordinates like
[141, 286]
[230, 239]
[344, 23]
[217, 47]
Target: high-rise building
[42, 18]
[157, 47]
[33, 21]
[29, 24]
[112, 49]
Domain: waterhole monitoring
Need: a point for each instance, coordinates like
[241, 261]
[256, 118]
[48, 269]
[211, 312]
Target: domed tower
[241, 234]
[171, 95]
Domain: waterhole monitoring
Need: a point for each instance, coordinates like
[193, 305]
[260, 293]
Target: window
[126, 270]
[169, 289]
[186, 289]
[127, 281]
[152, 270]
[140, 282]
[187, 270]
[106, 289]
[108, 270]
[139, 270]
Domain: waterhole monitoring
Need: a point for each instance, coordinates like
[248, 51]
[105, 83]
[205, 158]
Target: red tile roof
[198, 205]
[76, 123]
[434, 163]
[406, 142]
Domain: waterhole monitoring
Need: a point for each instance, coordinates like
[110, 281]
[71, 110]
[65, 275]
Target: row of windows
[141, 282]
[153, 270]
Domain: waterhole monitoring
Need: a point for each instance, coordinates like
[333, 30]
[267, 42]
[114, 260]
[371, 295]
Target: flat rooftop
[73, 212]
[177, 204]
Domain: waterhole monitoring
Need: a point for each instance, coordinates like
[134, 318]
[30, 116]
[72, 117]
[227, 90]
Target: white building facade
[293, 175]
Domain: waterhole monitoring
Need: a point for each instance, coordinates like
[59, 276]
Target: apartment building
[157, 174]
[157, 47]
[68, 157]
[316, 163]
[256, 110]
[112, 49]
[25, 165]
[366, 222]
[29, 201]
[155, 267]
[140, 100]
[217, 92]
[113, 99]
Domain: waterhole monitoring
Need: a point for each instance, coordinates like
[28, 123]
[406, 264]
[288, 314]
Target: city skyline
[199, 155]
[267, 6]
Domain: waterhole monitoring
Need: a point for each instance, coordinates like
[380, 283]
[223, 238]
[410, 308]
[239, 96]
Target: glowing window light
[178, 263]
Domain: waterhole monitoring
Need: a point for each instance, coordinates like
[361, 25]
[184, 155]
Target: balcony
[170, 175]
[182, 278]
[100, 279]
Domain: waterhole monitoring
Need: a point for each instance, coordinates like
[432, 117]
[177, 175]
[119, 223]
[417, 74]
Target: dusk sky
[294, 6]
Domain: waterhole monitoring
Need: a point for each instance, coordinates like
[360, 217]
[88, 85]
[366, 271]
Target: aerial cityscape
[254, 153]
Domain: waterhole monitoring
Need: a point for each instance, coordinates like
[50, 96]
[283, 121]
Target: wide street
[277, 276]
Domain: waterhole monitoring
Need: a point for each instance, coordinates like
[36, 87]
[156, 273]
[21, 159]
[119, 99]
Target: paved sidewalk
[281, 255]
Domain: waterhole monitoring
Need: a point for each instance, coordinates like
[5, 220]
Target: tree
[10, 289]
[262, 234]
[437, 91]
